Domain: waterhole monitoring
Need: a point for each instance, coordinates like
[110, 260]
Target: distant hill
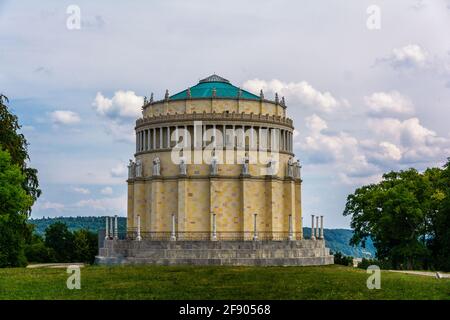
[336, 239]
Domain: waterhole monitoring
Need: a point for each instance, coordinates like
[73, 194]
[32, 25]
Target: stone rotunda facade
[214, 180]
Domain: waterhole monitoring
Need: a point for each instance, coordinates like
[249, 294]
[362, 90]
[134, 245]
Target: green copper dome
[214, 86]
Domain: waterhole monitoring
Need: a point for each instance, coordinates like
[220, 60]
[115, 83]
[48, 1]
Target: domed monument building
[214, 180]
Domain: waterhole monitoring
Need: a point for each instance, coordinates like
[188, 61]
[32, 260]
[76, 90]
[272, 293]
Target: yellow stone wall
[198, 208]
[214, 105]
[233, 198]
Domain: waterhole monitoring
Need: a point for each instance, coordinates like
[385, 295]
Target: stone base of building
[233, 253]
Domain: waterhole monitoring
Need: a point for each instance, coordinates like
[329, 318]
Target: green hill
[336, 239]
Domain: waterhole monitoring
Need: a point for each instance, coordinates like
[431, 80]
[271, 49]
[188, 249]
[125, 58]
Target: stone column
[312, 228]
[168, 137]
[214, 228]
[145, 140]
[261, 145]
[111, 227]
[160, 137]
[137, 144]
[224, 136]
[255, 231]
[138, 141]
[291, 233]
[173, 236]
[148, 139]
[204, 132]
[154, 138]
[317, 227]
[116, 228]
[252, 138]
[287, 141]
[138, 136]
[138, 237]
[321, 227]
[215, 136]
[185, 141]
[106, 229]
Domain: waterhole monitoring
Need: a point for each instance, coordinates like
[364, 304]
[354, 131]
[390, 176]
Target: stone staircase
[243, 253]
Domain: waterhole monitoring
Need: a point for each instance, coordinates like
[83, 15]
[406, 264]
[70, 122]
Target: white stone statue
[156, 166]
[138, 168]
[131, 169]
[214, 165]
[245, 163]
[297, 170]
[183, 165]
[290, 168]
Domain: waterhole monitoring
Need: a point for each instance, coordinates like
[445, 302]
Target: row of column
[111, 228]
[173, 234]
[316, 232]
[235, 135]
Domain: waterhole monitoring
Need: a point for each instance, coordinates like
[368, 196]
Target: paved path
[54, 265]
[423, 273]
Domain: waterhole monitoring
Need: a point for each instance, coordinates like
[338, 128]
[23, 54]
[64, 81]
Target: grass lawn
[189, 282]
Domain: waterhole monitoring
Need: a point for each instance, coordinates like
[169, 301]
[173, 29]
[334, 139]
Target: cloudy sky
[367, 95]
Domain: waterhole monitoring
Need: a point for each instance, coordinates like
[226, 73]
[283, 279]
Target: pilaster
[155, 211]
[130, 206]
[214, 201]
[246, 210]
[182, 204]
[298, 223]
[139, 202]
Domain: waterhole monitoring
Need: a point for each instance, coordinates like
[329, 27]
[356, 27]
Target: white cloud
[64, 117]
[389, 103]
[416, 142]
[315, 123]
[124, 104]
[354, 161]
[47, 205]
[121, 132]
[324, 148]
[106, 191]
[411, 55]
[81, 190]
[390, 151]
[302, 92]
[112, 205]
[118, 171]
[119, 114]
[407, 132]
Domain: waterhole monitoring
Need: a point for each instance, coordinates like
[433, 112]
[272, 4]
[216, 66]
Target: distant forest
[336, 239]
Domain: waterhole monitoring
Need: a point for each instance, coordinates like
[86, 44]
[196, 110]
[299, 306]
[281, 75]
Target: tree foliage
[15, 143]
[342, 259]
[85, 245]
[14, 204]
[59, 239]
[406, 215]
[62, 245]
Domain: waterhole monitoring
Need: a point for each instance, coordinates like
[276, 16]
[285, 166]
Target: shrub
[341, 259]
